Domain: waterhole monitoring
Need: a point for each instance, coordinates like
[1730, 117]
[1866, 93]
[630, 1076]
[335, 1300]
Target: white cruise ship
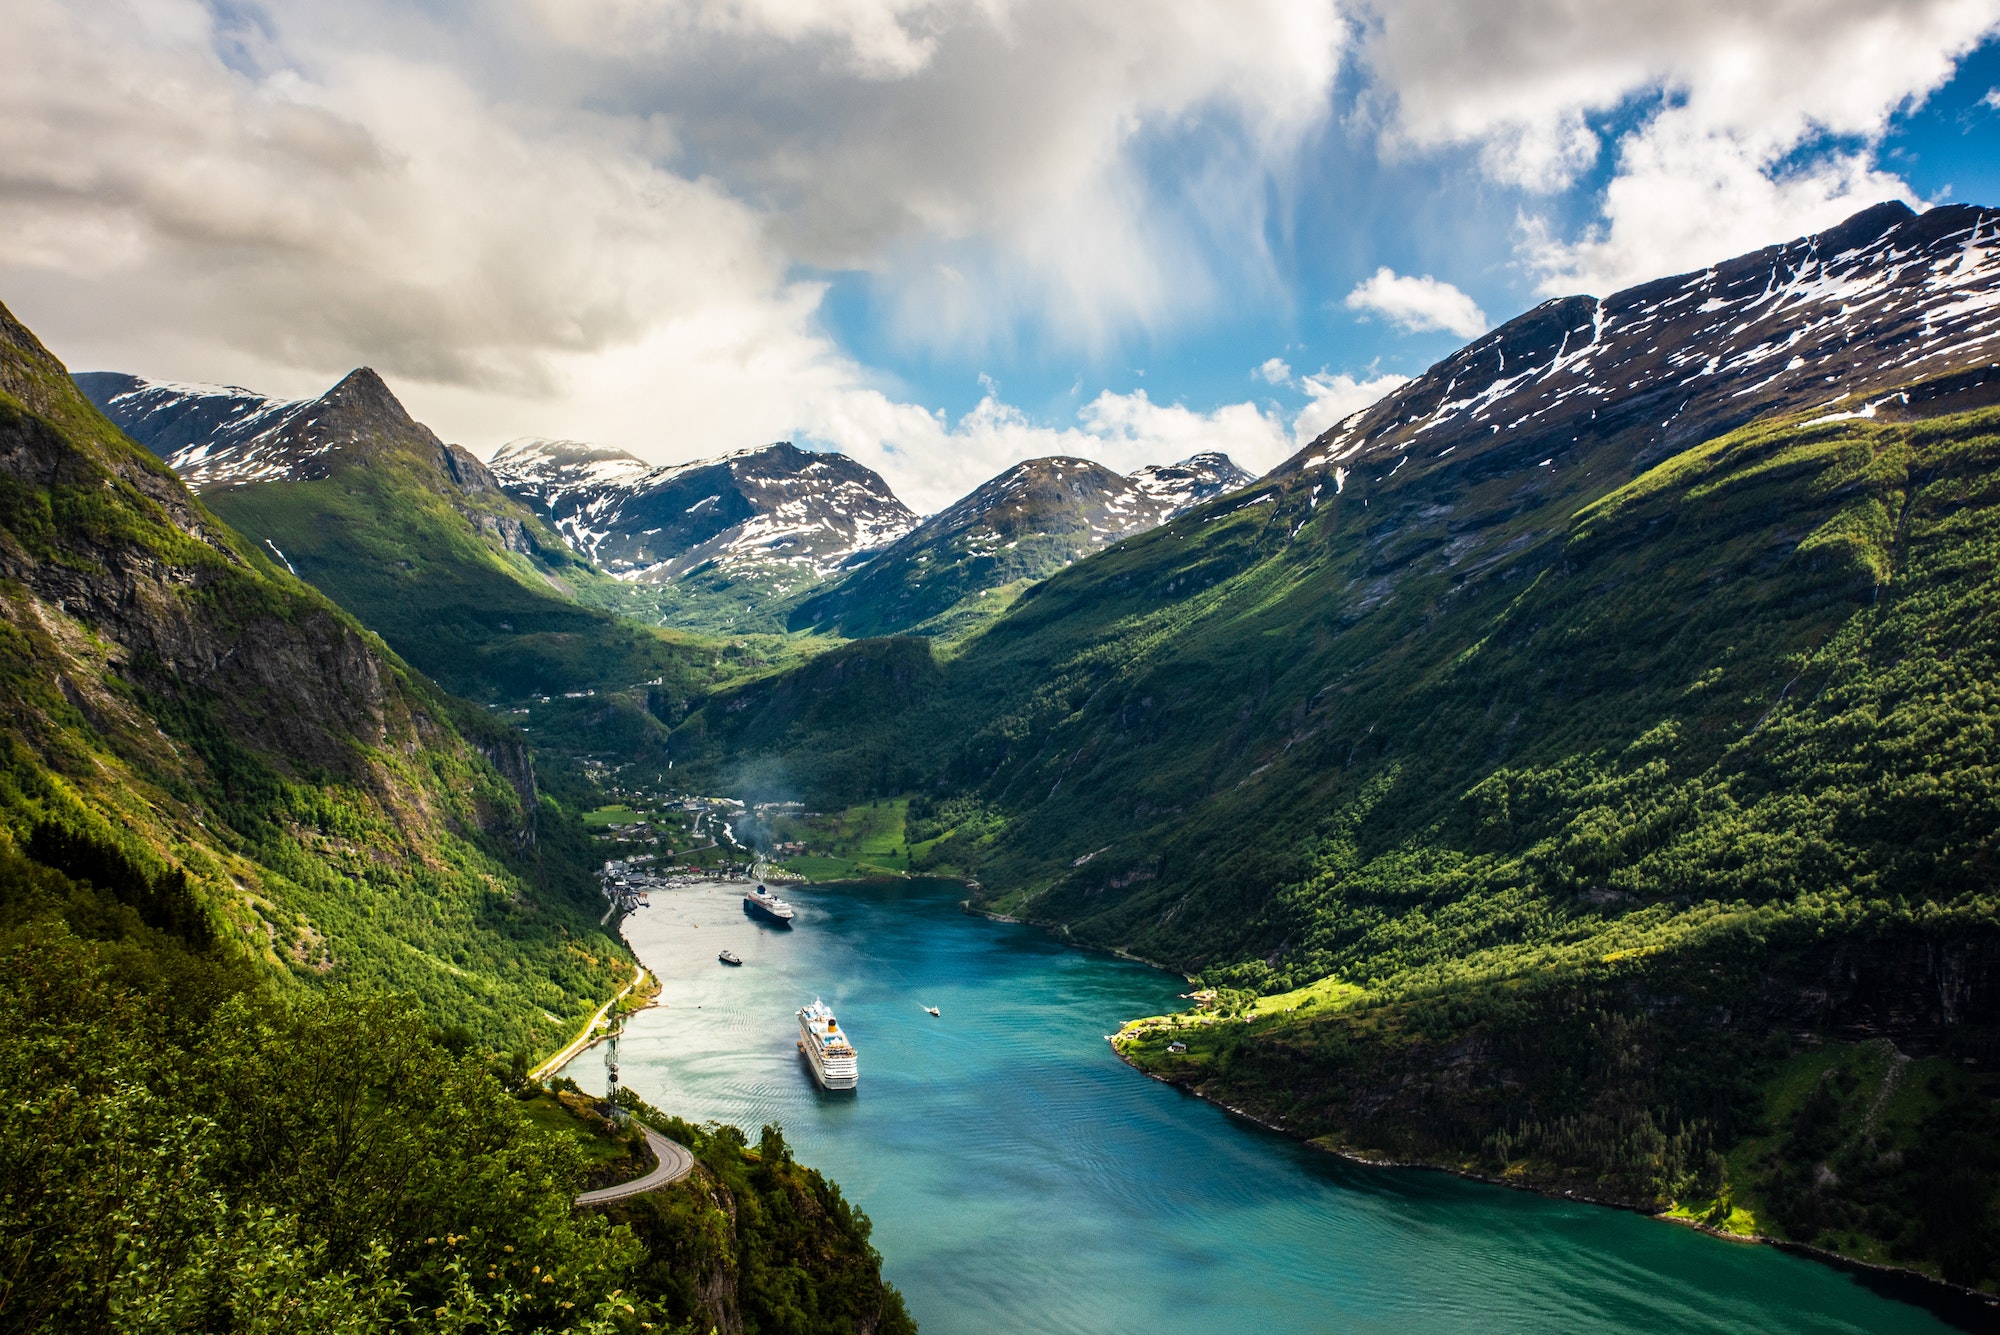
[826, 1047]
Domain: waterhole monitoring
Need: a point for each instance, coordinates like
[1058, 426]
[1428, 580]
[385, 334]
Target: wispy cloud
[1334, 398]
[1415, 305]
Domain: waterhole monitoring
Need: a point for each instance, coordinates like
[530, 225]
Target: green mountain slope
[1564, 780]
[1566, 852]
[418, 541]
[230, 823]
[188, 721]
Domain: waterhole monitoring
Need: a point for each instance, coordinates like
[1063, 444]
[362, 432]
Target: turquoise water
[1021, 1178]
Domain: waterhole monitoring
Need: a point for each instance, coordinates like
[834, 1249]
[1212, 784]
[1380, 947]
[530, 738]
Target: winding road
[675, 1164]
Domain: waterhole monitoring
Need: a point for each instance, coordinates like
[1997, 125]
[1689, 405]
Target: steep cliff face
[174, 690]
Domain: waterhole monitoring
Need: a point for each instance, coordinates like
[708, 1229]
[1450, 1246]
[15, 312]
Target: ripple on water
[1021, 1178]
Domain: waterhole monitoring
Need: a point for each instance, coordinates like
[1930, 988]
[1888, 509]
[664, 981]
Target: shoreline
[966, 907]
[1955, 1304]
[569, 1051]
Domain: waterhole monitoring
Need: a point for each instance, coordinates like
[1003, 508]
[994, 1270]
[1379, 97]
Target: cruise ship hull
[762, 914]
[835, 1079]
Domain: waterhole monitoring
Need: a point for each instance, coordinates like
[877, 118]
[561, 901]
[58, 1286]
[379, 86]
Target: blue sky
[1433, 215]
[940, 235]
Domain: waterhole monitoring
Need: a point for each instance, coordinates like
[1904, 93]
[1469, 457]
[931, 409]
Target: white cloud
[1684, 198]
[163, 207]
[876, 39]
[1414, 305]
[995, 165]
[1762, 125]
[1274, 371]
[588, 220]
[1521, 78]
[1992, 99]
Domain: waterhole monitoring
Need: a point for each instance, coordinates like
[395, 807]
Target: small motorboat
[932, 1009]
[728, 957]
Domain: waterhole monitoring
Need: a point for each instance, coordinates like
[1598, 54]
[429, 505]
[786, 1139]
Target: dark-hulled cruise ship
[761, 903]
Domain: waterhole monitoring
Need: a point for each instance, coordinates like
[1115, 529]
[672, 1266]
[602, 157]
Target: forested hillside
[186, 1148]
[417, 539]
[1582, 755]
[184, 712]
[272, 908]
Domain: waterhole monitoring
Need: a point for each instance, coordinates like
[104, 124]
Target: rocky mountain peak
[792, 514]
[364, 393]
[1030, 521]
[223, 435]
[1197, 478]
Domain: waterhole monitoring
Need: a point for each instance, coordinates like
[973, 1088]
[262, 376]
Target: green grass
[547, 1112]
[860, 842]
[604, 817]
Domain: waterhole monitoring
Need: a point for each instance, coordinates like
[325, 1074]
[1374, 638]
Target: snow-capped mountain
[1833, 322]
[221, 435]
[1197, 478]
[167, 416]
[1025, 524]
[777, 508]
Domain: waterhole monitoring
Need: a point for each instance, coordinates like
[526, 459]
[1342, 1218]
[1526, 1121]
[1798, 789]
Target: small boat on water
[932, 1009]
[728, 957]
[761, 903]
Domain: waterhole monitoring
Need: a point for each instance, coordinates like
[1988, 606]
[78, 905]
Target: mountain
[963, 565]
[212, 739]
[271, 905]
[716, 544]
[167, 417]
[217, 436]
[1574, 769]
[1199, 477]
[418, 540]
[1839, 322]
